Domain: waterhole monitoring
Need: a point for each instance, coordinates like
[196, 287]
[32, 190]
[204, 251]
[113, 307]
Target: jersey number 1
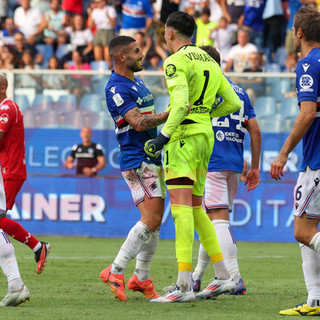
[199, 102]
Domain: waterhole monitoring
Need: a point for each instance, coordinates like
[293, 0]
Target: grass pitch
[70, 287]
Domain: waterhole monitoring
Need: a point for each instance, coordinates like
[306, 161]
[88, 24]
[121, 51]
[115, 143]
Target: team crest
[4, 118]
[153, 186]
[170, 70]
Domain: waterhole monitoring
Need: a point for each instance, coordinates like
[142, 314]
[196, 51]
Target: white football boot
[16, 297]
[176, 295]
[217, 287]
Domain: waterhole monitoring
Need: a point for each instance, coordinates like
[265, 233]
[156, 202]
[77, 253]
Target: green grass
[70, 287]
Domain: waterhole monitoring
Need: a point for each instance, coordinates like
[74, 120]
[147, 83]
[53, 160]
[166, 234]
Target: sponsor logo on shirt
[305, 67]
[4, 107]
[170, 70]
[139, 101]
[306, 83]
[4, 118]
[220, 135]
[117, 99]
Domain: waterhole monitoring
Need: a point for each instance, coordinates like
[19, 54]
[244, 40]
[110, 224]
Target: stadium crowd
[32, 31]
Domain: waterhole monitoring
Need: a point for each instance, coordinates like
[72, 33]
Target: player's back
[229, 135]
[12, 145]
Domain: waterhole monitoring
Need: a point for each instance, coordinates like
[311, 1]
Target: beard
[135, 66]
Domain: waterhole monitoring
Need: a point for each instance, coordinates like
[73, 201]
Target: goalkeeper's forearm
[230, 104]
[179, 108]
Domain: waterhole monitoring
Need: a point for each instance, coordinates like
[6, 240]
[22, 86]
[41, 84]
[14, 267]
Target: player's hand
[153, 147]
[277, 166]
[252, 179]
[87, 172]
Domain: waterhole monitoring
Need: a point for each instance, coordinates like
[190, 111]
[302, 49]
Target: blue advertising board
[53, 201]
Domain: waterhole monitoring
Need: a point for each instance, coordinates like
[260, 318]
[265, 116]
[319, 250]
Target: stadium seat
[279, 88]
[91, 101]
[161, 103]
[47, 52]
[265, 106]
[62, 50]
[68, 98]
[73, 119]
[22, 101]
[272, 67]
[281, 57]
[100, 65]
[29, 119]
[104, 122]
[42, 102]
[100, 87]
[289, 108]
[273, 123]
[48, 119]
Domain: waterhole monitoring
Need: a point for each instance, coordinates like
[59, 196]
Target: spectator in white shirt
[28, 21]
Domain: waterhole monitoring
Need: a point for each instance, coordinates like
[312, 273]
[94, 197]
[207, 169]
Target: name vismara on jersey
[308, 89]
[229, 133]
[200, 79]
[122, 95]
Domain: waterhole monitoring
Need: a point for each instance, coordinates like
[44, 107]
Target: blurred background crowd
[251, 35]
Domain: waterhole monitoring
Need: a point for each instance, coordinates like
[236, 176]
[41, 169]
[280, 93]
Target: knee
[301, 236]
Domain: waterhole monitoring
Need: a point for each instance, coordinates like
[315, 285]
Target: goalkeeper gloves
[153, 147]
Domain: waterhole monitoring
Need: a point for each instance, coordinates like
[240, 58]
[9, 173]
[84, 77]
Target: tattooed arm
[141, 122]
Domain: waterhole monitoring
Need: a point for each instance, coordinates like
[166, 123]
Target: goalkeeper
[192, 76]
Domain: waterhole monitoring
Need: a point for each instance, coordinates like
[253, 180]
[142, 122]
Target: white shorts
[307, 194]
[220, 189]
[3, 238]
[147, 180]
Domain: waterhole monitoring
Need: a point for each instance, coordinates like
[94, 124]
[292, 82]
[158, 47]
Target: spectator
[239, 54]
[79, 84]
[137, 16]
[222, 36]
[20, 46]
[89, 155]
[204, 28]
[232, 10]
[273, 26]
[251, 20]
[104, 18]
[3, 11]
[255, 63]
[81, 39]
[54, 81]
[53, 22]
[194, 7]
[9, 31]
[29, 80]
[8, 58]
[28, 20]
[92, 5]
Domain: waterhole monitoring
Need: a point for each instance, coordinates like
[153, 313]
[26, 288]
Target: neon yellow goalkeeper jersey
[192, 77]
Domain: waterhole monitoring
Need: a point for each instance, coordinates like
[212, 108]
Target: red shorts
[11, 189]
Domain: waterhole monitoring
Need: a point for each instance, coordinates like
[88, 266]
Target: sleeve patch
[306, 83]
[117, 99]
[4, 118]
[170, 70]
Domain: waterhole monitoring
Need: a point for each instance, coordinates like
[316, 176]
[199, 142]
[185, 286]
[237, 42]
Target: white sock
[202, 264]
[144, 257]
[137, 237]
[315, 242]
[37, 247]
[311, 271]
[9, 264]
[184, 281]
[228, 247]
[221, 271]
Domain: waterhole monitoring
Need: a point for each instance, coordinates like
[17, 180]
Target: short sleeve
[7, 116]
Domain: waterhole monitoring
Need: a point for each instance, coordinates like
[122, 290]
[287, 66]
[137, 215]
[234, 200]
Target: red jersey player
[13, 167]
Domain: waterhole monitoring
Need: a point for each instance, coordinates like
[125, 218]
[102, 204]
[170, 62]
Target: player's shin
[136, 238]
[184, 226]
[144, 257]
[209, 240]
[228, 247]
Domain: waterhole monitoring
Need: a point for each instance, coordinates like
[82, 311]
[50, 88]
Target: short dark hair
[182, 22]
[307, 19]
[213, 53]
[118, 43]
